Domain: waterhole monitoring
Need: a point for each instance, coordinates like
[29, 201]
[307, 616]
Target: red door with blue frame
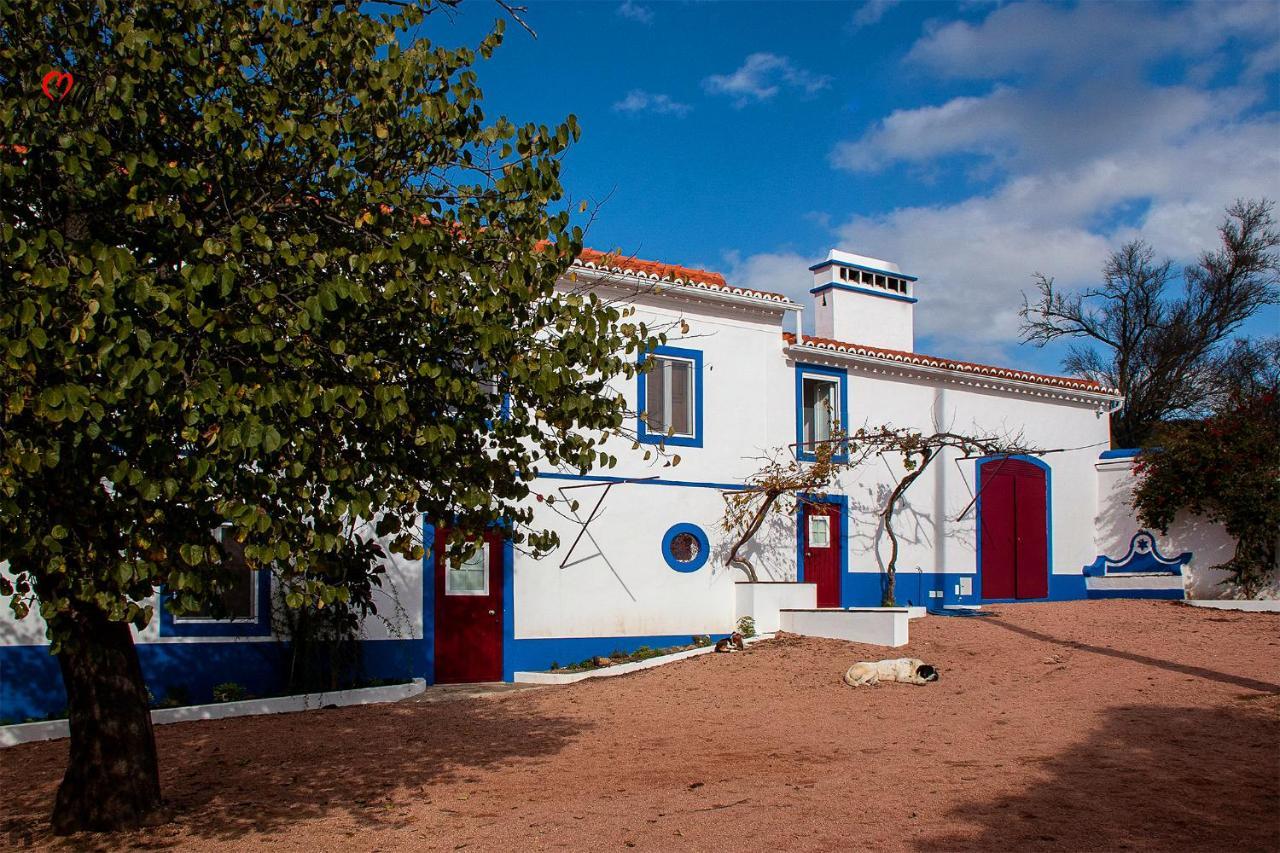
[822, 548]
[1015, 529]
[469, 601]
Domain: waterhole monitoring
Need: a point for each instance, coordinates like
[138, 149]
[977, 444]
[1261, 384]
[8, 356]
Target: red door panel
[822, 544]
[1033, 537]
[469, 615]
[999, 552]
[1014, 527]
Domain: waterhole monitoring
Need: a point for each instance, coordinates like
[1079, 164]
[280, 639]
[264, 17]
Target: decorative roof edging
[977, 374]
[672, 274]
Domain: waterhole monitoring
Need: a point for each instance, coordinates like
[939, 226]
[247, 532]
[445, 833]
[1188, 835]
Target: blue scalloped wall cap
[1143, 558]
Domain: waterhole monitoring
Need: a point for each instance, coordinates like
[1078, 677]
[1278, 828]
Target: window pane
[819, 414]
[819, 531]
[684, 547]
[655, 408]
[235, 599]
[681, 413]
[471, 577]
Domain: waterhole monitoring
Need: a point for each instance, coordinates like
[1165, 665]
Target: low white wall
[1209, 543]
[763, 601]
[877, 626]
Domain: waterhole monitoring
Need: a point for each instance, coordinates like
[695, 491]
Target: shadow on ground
[1151, 777]
[230, 778]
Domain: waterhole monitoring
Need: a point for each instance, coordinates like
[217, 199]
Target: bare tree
[780, 485]
[1162, 351]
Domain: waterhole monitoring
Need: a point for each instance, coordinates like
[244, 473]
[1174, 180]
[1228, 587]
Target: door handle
[493, 613]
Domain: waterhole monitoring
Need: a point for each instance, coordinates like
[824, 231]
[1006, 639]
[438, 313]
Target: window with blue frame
[240, 607]
[671, 397]
[822, 406]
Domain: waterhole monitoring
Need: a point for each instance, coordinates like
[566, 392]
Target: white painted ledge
[620, 668]
[1136, 581]
[54, 729]
[763, 600]
[1245, 605]
[877, 626]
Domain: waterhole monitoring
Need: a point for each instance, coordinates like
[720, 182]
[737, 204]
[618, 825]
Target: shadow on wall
[1149, 777]
[771, 551]
[229, 778]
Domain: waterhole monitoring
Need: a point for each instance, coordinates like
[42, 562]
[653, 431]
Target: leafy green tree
[1225, 468]
[1162, 349]
[268, 265]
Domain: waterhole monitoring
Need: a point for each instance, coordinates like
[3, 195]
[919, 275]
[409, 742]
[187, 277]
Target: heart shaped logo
[57, 85]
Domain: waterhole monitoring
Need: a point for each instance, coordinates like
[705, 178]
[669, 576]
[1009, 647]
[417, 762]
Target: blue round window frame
[704, 547]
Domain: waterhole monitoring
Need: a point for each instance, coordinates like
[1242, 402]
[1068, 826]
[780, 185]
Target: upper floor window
[671, 397]
[822, 404]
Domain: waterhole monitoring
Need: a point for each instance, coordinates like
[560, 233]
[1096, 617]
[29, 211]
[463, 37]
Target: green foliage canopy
[270, 266]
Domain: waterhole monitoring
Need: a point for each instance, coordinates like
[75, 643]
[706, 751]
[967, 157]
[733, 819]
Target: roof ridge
[672, 273]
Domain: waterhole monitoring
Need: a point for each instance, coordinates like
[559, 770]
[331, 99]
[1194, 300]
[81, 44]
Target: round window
[685, 547]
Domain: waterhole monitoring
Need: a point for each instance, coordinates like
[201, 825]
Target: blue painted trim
[601, 478]
[1120, 453]
[1048, 510]
[257, 627]
[852, 289]
[1174, 594]
[852, 266]
[1143, 557]
[841, 501]
[842, 376]
[704, 547]
[31, 686]
[538, 653]
[642, 435]
[429, 599]
[508, 607]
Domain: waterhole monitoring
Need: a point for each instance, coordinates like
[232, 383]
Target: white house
[641, 561]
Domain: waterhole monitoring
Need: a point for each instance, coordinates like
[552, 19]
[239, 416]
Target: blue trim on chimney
[851, 266]
[836, 286]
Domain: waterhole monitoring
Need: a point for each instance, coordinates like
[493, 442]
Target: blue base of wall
[865, 589]
[536, 655]
[1169, 594]
[31, 684]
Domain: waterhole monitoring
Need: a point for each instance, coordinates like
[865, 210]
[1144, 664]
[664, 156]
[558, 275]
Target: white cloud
[870, 13]
[635, 12]
[777, 272]
[639, 101]
[761, 76]
[1078, 151]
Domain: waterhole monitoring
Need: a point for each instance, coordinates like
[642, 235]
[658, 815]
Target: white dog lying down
[909, 670]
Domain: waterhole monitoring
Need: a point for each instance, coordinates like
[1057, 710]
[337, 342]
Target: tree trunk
[112, 780]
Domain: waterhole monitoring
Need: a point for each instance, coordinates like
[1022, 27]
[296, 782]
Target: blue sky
[974, 143]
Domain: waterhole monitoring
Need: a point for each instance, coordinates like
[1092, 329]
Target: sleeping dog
[909, 670]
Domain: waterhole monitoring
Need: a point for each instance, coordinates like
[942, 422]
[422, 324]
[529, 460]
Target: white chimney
[860, 300]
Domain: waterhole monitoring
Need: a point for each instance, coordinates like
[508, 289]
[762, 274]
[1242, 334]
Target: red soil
[1087, 725]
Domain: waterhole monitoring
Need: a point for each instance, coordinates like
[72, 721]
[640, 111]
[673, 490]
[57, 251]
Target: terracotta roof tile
[916, 358]
[673, 273]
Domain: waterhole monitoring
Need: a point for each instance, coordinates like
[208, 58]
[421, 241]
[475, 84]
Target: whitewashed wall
[1208, 543]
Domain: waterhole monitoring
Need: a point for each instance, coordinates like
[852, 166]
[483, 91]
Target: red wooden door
[822, 544]
[1014, 529]
[469, 599]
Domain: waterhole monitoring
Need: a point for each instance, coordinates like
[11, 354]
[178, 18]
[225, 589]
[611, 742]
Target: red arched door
[1014, 529]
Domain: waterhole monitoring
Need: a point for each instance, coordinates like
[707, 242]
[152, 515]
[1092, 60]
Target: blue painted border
[538, 653]
[841, 501]
[429, 599]
[1048, 510]
[832, 262]
[258, 627]
[704, 547]
[602, 478]
[642, 433]
[1120, 453]
[852, 289]
[839, 373]
[1133, 563]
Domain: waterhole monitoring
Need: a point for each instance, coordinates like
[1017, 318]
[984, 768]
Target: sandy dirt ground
[1072, 726]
